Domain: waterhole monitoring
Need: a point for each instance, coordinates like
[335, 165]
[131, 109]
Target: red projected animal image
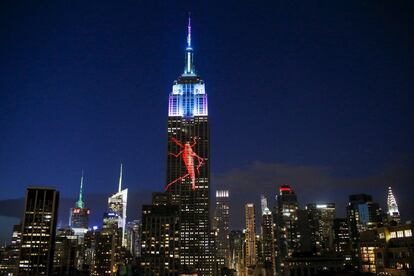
[187, 155]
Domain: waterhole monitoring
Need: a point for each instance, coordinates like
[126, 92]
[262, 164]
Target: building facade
[38, 231]
[188, 166]
[160, 252]
[222, 224]
[251, 253]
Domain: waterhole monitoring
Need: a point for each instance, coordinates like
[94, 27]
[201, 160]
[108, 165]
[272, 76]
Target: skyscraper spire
[393, 213]
[120, 180]
[189, 66]
[79, 203]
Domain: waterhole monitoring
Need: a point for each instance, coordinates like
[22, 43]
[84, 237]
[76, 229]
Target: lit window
[407, 233]
[400, 234]
[393, 235]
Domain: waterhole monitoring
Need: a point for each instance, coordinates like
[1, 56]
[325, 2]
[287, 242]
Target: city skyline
[59, 114]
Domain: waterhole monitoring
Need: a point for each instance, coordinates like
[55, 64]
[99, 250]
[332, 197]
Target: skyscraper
[393, 213]
[320, 221]
[268, 249]
[222, 221]
[363, 214]
[160, 245]
[38, 231]
[117, 203]
[250, 235]
[79, 215]
[188, 166]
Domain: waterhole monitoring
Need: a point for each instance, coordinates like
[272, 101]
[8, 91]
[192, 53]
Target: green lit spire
[79, 203]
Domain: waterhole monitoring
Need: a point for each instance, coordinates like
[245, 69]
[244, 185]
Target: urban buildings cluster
[177, 236]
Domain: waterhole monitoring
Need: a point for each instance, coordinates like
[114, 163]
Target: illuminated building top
[188, 97]
[80, 203]
[392, 204]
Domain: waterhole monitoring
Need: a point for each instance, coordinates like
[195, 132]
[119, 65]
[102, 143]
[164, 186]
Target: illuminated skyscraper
[117, 203]
[79, 216]
[188, 166]
[268, 249]
[393, 213]
[38, 231]
[250, 235]
[222, 221]
[286, 224]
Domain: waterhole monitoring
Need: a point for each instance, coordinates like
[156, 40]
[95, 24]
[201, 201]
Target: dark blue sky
[323, 85]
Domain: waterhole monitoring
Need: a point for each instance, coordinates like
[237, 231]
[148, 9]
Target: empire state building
[188, 166]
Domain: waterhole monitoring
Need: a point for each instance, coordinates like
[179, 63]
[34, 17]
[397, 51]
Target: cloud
[311, 184]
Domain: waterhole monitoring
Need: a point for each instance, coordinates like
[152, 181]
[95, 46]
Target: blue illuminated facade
[188, 98]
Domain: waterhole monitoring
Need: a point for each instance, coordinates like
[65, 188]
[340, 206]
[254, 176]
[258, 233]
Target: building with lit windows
[267, 234]
[393, 213]
[79, 215]
[160, 246]
[9, 260]
[188, 166]
[250, 235]
[396, 255]
[38, 231]
[66, 252]
[341, 238]
[117, 204]
[237, 241]
[363, 214]
[320, 221]
[286, 224]
[222, 221]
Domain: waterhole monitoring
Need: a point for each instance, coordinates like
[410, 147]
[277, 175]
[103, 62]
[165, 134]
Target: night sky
[315, 94]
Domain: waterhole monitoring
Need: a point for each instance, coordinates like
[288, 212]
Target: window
[407, 233]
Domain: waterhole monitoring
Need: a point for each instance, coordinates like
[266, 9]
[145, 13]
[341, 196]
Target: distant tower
[222, 219]
[117, 205]
[267, 233]
[393, 213]
[38, 231]
[250, 235]
[79, 216]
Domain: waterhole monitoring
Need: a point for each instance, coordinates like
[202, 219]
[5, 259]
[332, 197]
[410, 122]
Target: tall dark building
[66, 252]
[222, 221]
[160, 237]
[188, 166]
[38, 231]
[237, 240]
[320, 221]
[341, 239]
[363, 214]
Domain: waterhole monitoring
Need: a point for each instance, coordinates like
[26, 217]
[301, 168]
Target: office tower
[341, 238]
[268, 249]
[286, 221]
[160, 237]
[133, 238]
[363, 214]
[117, 203]
[79, 215]
[188, 166]
[320, 221]
[393, 213]
[38, 231]
[66, 252]
[222, 221]
[107, 254]
[236, 239]
[250, 235]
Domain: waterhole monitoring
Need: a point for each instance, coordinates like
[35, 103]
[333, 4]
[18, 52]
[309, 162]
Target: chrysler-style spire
[189, 66]
[79, 203]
